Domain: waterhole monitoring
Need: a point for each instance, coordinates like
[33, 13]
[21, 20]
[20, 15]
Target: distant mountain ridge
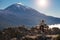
[18, 14]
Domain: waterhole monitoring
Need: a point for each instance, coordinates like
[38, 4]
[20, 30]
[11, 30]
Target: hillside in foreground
[41, 32]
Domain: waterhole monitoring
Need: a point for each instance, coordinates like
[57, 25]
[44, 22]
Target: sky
[47, 7]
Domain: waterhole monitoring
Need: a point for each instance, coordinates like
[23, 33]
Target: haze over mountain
[18, 14]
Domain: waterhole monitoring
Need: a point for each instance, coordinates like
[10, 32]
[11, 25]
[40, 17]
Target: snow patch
[20, 3]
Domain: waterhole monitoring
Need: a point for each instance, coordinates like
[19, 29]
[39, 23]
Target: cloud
[55, 25]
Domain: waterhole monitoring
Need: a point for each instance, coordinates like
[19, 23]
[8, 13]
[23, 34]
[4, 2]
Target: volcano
[17, 14]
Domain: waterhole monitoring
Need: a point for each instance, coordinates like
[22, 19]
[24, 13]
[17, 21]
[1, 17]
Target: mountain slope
[18, 14]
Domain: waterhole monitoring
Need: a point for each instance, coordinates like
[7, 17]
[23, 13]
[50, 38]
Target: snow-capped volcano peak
[19, 4]
[15, 6]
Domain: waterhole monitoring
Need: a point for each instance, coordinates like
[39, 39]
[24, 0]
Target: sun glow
[42, 3]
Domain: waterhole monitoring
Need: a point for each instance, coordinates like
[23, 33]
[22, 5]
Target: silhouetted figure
[42, 26]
